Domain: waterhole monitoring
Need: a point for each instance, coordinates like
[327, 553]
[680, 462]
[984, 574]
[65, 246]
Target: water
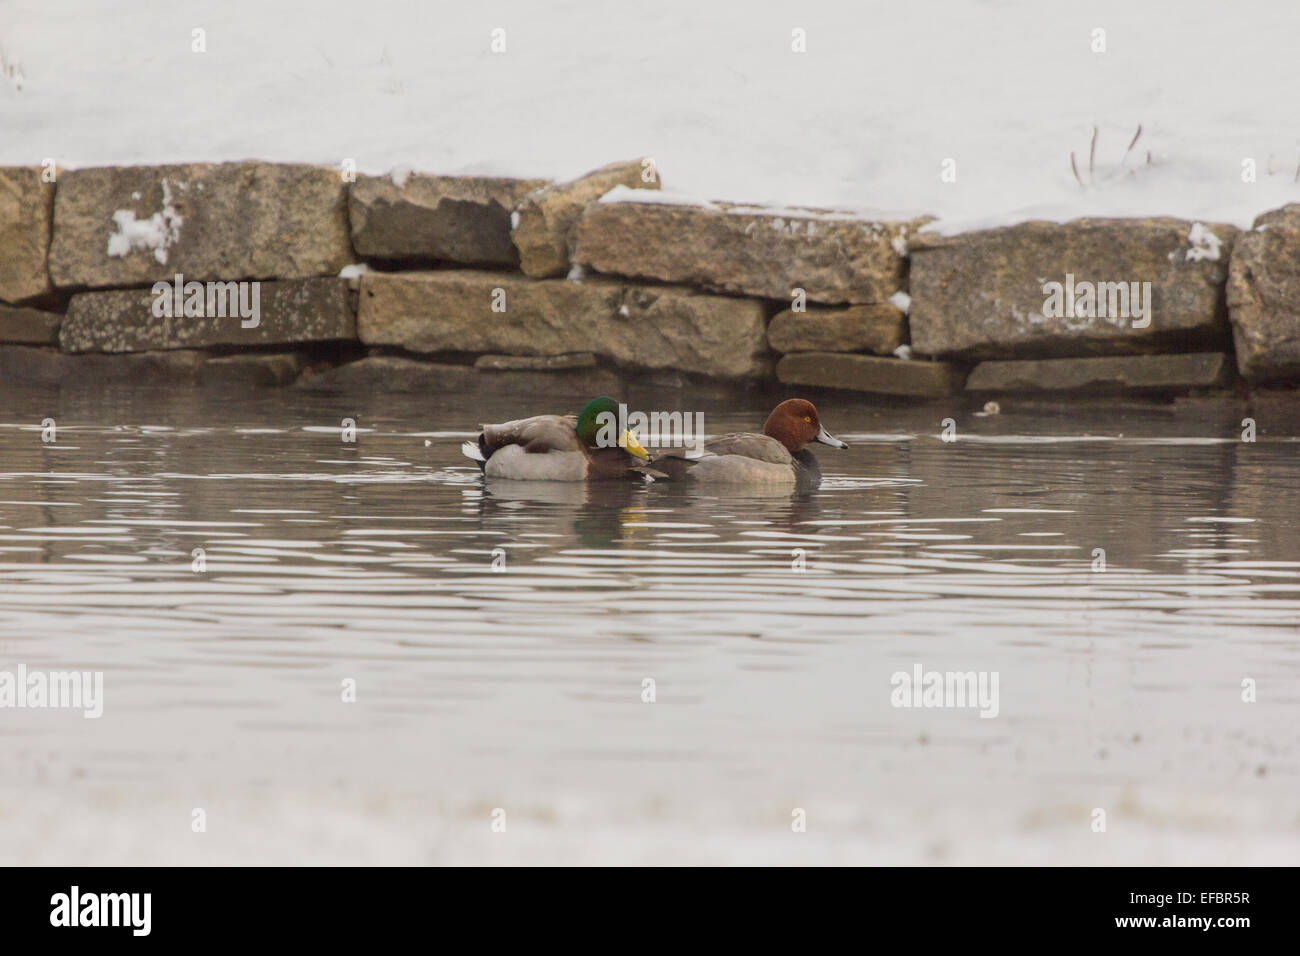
[521, 689]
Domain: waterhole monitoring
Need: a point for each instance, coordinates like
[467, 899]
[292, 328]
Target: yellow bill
[629, 442]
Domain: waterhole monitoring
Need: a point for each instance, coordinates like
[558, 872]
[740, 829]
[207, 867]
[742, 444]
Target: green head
[598, 427]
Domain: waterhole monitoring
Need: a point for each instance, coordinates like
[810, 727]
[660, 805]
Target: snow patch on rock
[158, 233]
[1204, 245]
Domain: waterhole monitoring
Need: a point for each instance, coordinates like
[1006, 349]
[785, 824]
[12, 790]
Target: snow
[159, 232]
[296, 824]
[399, 175]
[354, 271]
[10, 71]
[863, 121]
[901, 301]
[654, 197]
[1204, 244]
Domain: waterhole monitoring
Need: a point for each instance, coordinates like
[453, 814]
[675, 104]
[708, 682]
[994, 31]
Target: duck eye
[807, 419]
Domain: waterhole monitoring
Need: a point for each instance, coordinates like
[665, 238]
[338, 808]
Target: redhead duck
[559, 447]
[778, 456]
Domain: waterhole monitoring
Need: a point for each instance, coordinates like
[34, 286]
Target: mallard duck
[778, 456]
[559, 447]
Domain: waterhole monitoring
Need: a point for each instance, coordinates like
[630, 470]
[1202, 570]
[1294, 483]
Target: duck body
[542, 448]
[776, 457]
[552, 448]
[739, 458]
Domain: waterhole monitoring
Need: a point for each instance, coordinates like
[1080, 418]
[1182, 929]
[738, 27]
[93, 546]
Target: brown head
[795, 423]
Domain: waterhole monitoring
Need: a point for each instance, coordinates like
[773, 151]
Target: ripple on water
[500, 633]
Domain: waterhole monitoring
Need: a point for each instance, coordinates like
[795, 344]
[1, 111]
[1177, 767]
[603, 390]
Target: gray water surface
[770, 626]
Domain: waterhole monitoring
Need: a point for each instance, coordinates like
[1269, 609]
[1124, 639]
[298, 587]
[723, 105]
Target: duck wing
[539, 434]
[676, 463]
[749, 445]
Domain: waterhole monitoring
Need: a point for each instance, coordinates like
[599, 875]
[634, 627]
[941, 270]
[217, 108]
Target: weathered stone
[649, 327]
[391, 373]
[119, 226]
[463, 219]
[587, 382]
[546, 218]
[646, 388]
[834, 257]
[666, 327]
[26, 205]
[534, 363]
[981, 295]
[1264, 296]
[396, 373]
[300, 310]
[1196, 370]
[867, 373]
[859, 328]
[179, 367]
[31, 326]
[256, 370]
[21, 365]
[577, 373]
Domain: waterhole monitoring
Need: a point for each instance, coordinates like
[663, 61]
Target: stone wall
[420, 282]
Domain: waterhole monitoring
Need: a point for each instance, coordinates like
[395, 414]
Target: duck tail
[473, 452]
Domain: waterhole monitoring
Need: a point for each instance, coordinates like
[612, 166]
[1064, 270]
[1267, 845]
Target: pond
[324, 651]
